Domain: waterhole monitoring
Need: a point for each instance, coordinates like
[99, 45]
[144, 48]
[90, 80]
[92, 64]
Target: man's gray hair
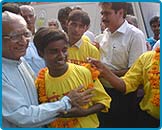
[8, 17]
[28, 7]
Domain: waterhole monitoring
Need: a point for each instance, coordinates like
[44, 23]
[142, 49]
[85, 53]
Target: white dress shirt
[120, 49]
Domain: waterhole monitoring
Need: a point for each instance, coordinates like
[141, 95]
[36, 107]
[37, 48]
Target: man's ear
[121, 12]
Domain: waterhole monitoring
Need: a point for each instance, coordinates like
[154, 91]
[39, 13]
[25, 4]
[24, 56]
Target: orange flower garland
[154, 78]
[40, 84]
[95, 73]
[63, 123]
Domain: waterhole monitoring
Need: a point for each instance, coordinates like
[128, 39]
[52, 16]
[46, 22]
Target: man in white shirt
[20, 107]
[120, 46]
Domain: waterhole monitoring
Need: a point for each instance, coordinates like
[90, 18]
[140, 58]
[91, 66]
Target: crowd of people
[71, 79]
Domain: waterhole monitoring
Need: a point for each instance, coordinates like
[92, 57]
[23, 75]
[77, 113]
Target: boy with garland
[60, 77]
[80, 48]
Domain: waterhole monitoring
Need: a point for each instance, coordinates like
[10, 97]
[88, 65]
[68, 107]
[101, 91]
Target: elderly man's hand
[79, 98]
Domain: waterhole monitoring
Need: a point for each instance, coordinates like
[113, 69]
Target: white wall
[45, 12]
[50, 10]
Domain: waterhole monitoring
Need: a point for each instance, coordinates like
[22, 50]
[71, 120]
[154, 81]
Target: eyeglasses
[15, 37]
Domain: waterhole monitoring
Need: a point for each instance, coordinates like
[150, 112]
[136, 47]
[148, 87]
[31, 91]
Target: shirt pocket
[120, 55]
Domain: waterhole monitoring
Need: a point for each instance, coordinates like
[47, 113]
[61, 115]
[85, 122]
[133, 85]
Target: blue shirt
[19, 98]
[151, 40]
[33, 59]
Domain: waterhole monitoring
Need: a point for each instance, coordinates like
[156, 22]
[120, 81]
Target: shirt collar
[10, 61]
[121, 29]
[78, 43]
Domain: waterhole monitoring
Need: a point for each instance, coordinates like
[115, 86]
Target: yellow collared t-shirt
[73, 78]
[85, 50]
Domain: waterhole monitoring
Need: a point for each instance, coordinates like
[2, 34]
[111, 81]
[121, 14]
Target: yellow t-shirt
[138, 74]
[85, 50]
[73, 78]
[86, 38]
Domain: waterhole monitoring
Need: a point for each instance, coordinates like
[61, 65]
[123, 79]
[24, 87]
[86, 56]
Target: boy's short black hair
[79, 15]
[45, 35]
[154, 19]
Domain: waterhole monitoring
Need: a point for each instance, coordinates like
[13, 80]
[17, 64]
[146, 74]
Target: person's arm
[17, 110]
[81, 112]
[120, 73]
[106, 73]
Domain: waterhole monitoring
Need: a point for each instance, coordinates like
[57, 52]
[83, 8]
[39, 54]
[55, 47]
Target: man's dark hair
[63, 13]
[45, 35]
[79, 15]
[11, 7]
[154, 19]
[117, 6]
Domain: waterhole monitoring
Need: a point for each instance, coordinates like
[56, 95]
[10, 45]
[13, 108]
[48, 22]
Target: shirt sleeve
[17, 110]
[134, 77]
[138, 46]
[101, 96]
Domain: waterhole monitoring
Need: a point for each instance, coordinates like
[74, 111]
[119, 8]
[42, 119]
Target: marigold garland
[40, 84]
[63, 123]
[95, 73]
[154, 78]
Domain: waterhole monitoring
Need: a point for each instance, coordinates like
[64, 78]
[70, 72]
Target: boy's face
[55, 55]
[75, 30]
[156, 28]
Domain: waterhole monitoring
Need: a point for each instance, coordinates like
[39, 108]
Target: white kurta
[19, 98]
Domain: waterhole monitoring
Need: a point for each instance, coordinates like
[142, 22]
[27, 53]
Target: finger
[76, 104]
[93, 61]
[79, 88]
[86, 99]
[87, 96]
[87, 92]
[85, 102]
